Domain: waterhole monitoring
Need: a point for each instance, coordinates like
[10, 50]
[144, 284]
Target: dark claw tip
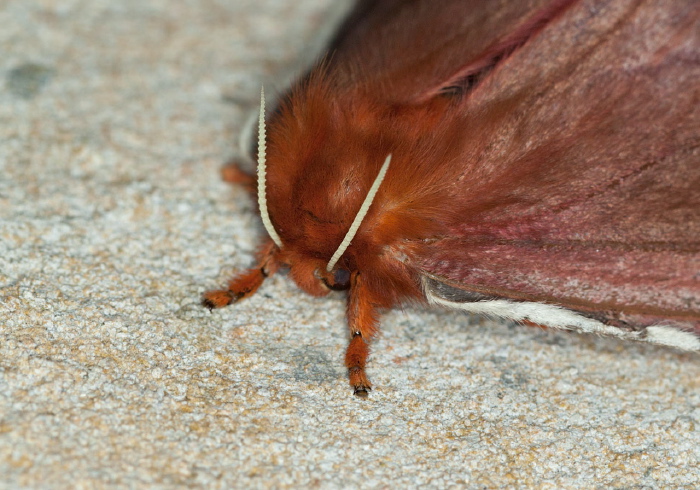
[361, 392]
[208, 304]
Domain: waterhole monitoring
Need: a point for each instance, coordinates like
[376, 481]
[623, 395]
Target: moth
[537, 161]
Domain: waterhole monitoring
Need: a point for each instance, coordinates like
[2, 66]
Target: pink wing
[582, 187]
[405, 51]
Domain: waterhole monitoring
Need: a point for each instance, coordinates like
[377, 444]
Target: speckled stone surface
[115, 118]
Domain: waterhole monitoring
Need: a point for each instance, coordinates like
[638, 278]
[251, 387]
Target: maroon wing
[404, 51]
[582, 185]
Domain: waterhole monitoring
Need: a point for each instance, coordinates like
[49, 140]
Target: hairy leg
[245, 284]
[363, 321]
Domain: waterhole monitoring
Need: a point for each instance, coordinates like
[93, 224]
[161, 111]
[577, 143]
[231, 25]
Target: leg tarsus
[363, 320]
[244, 285]
[232, 173]
[239, 287]
[355, 360]
[217, 299]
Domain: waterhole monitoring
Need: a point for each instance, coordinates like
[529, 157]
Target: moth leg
[363, 321]
[243, 285]
[233, 174]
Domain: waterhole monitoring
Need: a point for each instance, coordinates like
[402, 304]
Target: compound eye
[340, 280]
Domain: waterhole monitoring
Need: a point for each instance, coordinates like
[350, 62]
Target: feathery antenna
[262, 199]
[360, 215]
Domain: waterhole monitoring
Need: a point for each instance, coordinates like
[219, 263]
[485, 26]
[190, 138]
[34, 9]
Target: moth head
[312, 274]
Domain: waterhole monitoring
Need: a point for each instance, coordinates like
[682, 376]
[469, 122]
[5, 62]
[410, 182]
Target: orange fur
[232, 174]
[541, 151]
[245, 284]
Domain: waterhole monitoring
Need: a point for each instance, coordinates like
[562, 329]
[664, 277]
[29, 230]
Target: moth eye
[339, 282]
[341, 278]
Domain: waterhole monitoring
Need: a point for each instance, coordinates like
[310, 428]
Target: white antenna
[360, 215]
[262, 200]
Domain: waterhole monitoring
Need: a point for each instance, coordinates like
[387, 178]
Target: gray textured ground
[114, 120]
